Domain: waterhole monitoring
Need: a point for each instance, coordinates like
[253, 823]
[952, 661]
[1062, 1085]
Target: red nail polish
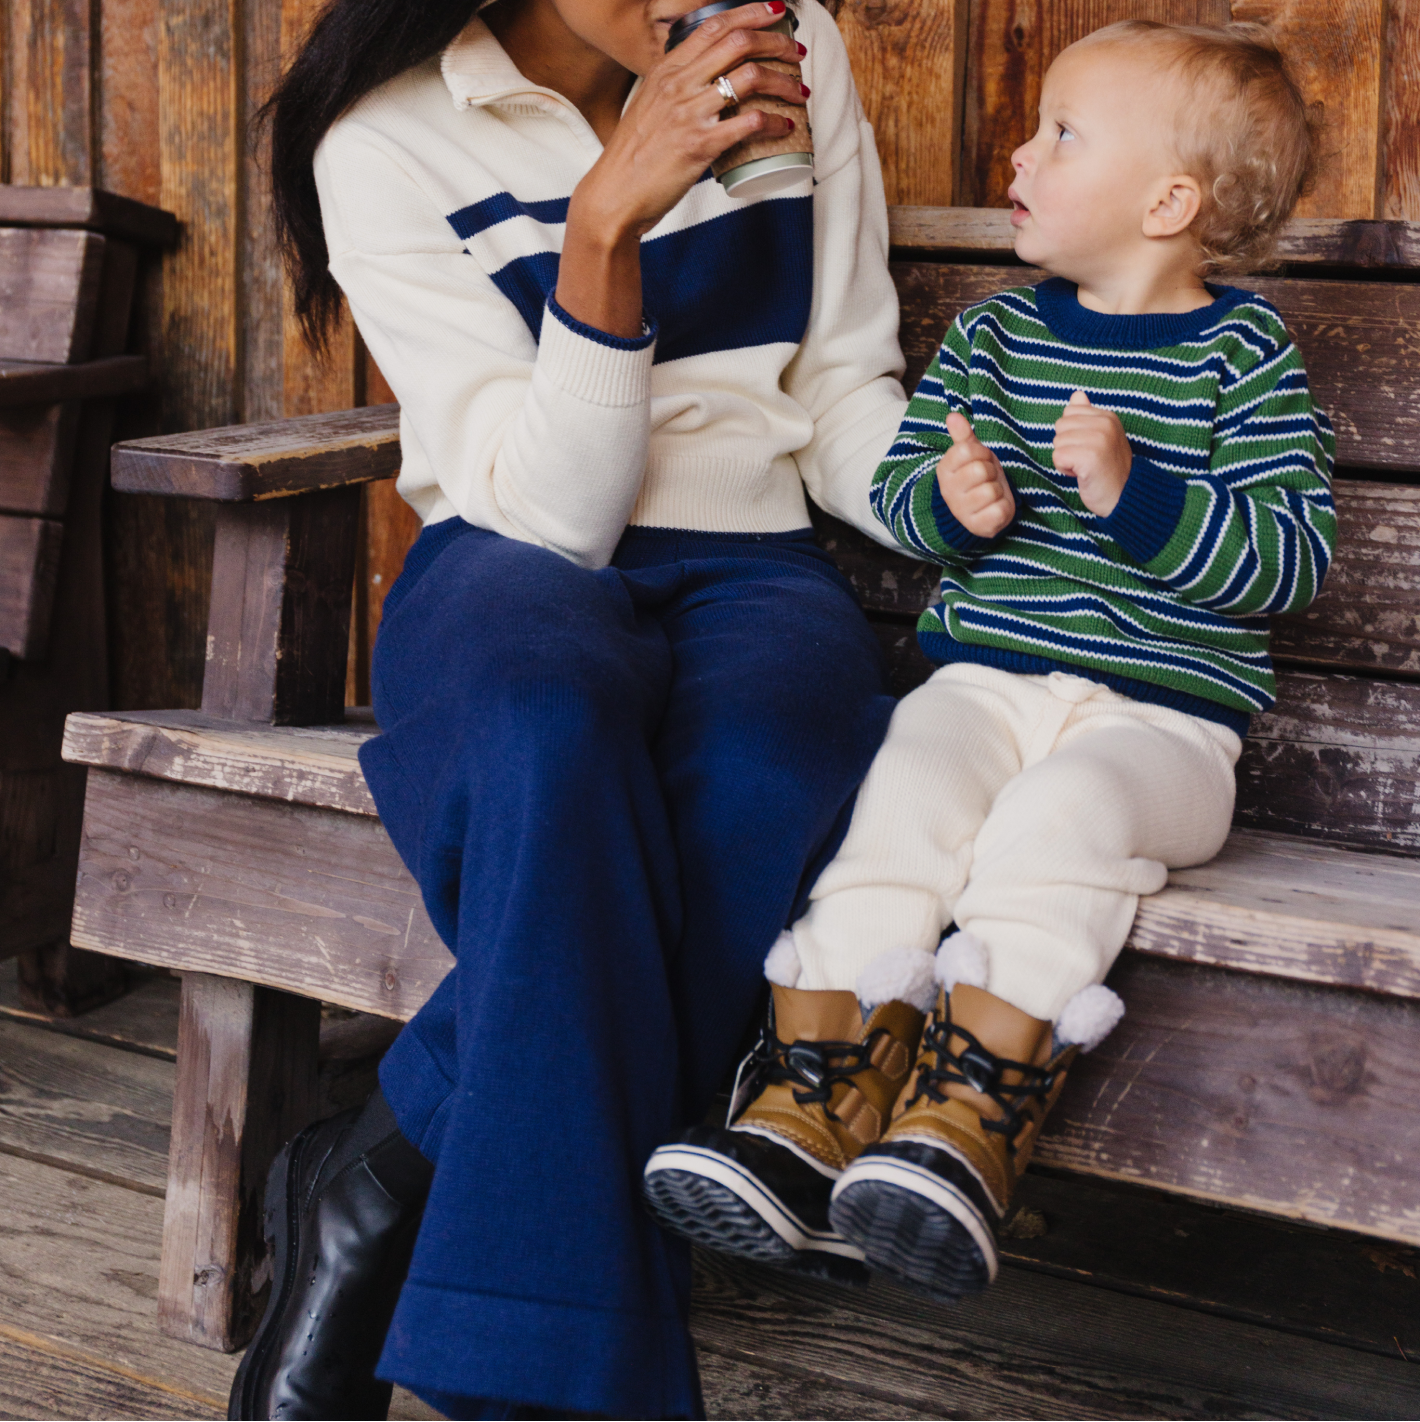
[800, 48]
[806, 89]
[790, 122]
[775, 7]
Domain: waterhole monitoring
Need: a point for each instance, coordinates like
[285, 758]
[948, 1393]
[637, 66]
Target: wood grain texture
[79, 1277]
[52, 1382]
[1401, 130]
[1358, 340]
[302, 765]
[200, 153]
[29, 568]
[83, 1107]
[311, 901]
[1338, 758]
[1253, 1091]
[1288, 907]
[1036, 1347]
[1336, 52]
[144, 1022]
[1335, 46]
[52, 47]
[247, 462]
[25, 382]
[1325, 1284]
[49, 289]
[132, 218]
[60, 980]
[909, 61]
[36, 452]
[1012, 44]
[245, 1083]
[278, 632]
[963, 232]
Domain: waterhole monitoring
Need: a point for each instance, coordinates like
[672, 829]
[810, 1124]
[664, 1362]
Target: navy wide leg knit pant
[614, 789]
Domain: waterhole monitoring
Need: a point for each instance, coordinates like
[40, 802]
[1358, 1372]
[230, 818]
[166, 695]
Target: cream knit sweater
[771, 355]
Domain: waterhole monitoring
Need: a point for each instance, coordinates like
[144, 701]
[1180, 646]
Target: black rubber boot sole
[921, 1231]
[711, 1214]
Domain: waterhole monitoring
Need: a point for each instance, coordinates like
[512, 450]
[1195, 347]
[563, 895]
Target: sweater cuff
[594, 366]
[952, 532]
[1148, 512]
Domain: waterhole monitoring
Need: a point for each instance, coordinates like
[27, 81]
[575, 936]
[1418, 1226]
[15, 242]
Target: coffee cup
[758, 167]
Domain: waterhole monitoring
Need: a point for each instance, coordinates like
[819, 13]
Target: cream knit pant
[1033, 811]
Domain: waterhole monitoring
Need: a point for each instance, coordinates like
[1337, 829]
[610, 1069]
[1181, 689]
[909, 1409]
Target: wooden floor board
[1040, 1347]
[84, 1106]
[44, 1383]
[79, 1271]
[143, 1020]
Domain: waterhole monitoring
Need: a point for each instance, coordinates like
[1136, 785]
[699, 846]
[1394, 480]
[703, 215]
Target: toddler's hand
[1091, 446]
[973, 483]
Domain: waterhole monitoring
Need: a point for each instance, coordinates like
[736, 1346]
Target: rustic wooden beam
[265, 461]
[49, 287]
[29, 567]
[246, 1081]
[279, 627]
[956, 233]
[90, 208]
[24, 382]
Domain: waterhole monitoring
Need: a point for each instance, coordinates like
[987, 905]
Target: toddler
[1123, 476]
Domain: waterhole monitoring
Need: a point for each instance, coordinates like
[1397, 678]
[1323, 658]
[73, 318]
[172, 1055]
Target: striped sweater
[1226, 517]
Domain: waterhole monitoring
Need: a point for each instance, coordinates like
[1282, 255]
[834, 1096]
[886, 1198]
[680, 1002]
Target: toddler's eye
[1064, 134]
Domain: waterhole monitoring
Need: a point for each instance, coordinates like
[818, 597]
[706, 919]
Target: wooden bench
[68, 263]
[1271, 1052]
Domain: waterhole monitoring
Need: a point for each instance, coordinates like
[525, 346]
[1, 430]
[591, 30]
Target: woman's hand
[670, 133]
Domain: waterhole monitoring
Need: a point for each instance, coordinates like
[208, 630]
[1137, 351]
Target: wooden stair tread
[30, 382]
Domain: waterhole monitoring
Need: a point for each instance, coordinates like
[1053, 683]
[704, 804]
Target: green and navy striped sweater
[1226, 517]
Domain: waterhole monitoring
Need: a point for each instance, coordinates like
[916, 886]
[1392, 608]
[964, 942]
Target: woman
[625, 700]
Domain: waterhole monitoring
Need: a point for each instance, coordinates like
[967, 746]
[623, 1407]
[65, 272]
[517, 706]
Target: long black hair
[354, 47]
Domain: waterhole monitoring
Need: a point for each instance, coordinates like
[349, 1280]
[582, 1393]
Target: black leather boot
[343, 1203]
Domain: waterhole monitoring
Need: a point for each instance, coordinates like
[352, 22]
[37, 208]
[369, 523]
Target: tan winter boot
[926, 1202]
[817, 1089]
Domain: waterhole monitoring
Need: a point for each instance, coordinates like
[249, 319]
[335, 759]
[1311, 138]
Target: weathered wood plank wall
[154, 99]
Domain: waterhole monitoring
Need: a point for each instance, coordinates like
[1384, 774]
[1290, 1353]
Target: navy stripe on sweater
[742, 279]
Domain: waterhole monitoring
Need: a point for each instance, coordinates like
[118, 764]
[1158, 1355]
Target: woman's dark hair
[354, 47]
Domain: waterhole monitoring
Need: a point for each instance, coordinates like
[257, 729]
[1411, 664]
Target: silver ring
[727, 91]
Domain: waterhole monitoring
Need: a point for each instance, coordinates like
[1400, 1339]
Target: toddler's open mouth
[1019, 211]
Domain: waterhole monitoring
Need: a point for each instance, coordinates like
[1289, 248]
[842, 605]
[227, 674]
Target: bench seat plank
[1270, 903]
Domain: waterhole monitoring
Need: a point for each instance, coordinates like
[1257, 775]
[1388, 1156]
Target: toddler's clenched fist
[1091, 447]
[973, 483]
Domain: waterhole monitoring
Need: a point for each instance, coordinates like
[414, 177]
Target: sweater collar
[478, 72]
[1059, 307]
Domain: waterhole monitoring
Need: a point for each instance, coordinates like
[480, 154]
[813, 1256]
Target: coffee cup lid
[686, 26]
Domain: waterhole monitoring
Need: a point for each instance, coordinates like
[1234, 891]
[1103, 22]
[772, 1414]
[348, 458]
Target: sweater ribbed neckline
[1059, 306]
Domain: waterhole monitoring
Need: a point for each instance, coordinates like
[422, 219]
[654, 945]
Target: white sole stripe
[947, 1197]
[740, 1182]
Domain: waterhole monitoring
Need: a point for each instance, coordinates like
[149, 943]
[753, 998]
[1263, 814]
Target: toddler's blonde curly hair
[1245, 133]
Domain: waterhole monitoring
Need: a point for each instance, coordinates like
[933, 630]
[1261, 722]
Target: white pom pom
[782, 966]
[1089, 1017]
[899, 975]
[962, 959]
